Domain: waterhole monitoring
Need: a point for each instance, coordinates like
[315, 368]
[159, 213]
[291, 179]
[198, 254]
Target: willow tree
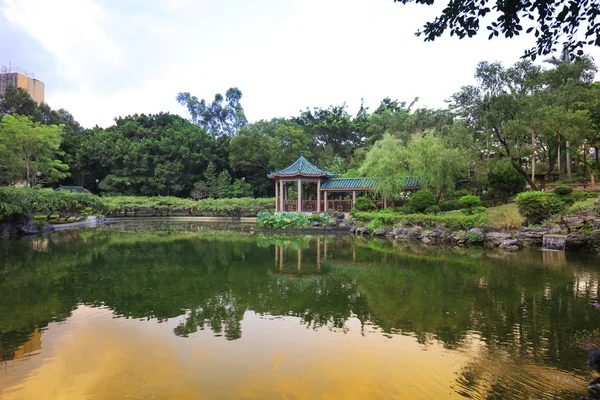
[388, 161]
[438, 166]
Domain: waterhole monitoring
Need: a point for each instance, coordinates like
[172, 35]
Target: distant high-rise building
[18, 77]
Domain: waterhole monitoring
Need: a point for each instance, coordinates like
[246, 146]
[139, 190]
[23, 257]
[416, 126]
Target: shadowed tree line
[512, 126]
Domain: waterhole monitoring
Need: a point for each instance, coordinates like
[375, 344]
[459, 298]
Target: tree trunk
[532, 156]
[552, 158]
[558, 158]
[567, 146]
[516, 166]
[28, 171]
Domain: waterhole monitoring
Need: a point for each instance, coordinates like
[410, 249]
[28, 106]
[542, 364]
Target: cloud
[117, 57]
[75, 32]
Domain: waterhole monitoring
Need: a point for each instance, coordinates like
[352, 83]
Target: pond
[196, 311]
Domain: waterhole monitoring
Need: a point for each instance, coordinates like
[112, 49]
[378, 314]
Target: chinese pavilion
[319, 190]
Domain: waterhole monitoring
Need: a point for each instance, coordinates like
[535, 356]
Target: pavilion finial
[301, 154]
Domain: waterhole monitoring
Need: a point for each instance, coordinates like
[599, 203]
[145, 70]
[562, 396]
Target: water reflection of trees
[517, 304]
[497, 374]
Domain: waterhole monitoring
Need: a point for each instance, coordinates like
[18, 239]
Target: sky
[101, 59]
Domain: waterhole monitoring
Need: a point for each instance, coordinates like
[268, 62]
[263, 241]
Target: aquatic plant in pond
[282, 220]
[286, 220]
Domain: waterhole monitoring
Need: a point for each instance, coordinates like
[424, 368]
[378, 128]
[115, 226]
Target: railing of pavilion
[290, 205]
[311, 205]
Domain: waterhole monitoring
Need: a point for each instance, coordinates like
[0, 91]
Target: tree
[265, 146]
[388, 161]
[571, 94]
[492, 108]
[550, 21]
[241, 188]
[504, 179]
[219, 119]
[224, 189]
[391, 117]
[17, 101]
[199, 190]
[336, 165]
[438, 166]
[333, 126]
[211, 180]
[146, 155]
[28, 151]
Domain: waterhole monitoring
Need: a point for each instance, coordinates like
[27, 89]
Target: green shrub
[453, 221]
[558, 204]
[504, 179]
[323, 219]
[375, 224]
[474, 237]
[537, 206]
[473, 210]
[579, 208]
[478, 209]
[563, 190]
[421, 200]
[16, 202]
[470, 204]
[166, 204]
[469, 201]
[432, 210]
[449, 205]
[282, 220]
[457, 194]
[579, 195]
[363, 204]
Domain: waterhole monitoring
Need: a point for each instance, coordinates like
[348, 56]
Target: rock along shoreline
[582, 233]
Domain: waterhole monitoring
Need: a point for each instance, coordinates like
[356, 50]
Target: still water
[189, 312]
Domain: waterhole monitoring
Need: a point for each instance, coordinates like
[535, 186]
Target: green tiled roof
[349, 183]
[301, 167]
[410, 183]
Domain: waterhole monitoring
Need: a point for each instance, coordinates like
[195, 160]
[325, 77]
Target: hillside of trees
[515, 122]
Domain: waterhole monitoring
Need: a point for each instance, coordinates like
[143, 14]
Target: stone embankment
[582, 232]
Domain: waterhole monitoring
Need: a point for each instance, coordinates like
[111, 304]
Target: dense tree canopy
[28, 151]
[572, 24]
[514, 125]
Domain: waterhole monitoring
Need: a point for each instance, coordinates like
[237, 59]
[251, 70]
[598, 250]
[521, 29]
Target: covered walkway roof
[361, 184]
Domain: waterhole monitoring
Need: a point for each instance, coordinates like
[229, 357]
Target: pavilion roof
[302, 167]
[343, 184]
[350, 183]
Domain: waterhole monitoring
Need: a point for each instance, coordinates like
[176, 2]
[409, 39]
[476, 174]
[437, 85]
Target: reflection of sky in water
[94, 355]
[261, 317]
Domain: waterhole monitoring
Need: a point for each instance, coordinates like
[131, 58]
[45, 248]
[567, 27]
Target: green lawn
[505, 216]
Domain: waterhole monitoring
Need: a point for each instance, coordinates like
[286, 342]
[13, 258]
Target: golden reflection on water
[93, 356]
[96, 356]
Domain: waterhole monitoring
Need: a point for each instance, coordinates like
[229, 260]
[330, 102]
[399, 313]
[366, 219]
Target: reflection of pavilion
[304, 262]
